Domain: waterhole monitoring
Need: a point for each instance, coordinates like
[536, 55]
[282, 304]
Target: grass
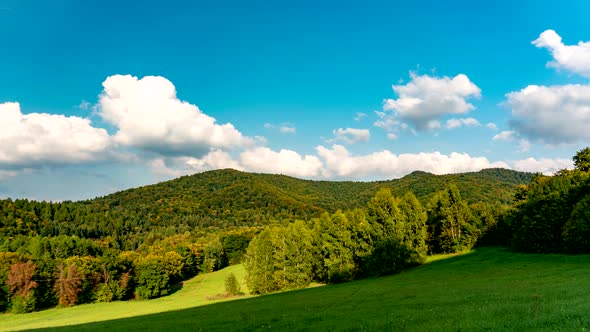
[197, 291]
[485, 290]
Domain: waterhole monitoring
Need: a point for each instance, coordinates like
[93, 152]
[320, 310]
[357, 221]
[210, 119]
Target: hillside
[488, 289]
[230, 194]
[226, 198]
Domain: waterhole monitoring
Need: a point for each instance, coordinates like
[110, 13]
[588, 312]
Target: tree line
[38, 272]
[98, 251]
[551, 214]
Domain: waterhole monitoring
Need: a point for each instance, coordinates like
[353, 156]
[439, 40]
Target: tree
[415, 228]
[7, 260]
[213, 256]
[68, 282]
[576, 232]
[152, 278]
[390, 253]
[21, 284]
[582, 160]
[232, 286]
[336, 248]
[280, 258]
[259, 263]
[448, 223]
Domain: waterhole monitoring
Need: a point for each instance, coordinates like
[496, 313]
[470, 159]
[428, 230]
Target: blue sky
[336, 90]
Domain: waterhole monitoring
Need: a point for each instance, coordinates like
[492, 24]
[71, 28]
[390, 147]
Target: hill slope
[225, 198]
[230, 194]
[489, 289]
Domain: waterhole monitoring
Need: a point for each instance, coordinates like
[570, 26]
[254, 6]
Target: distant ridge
[227, 192]
[226, 198]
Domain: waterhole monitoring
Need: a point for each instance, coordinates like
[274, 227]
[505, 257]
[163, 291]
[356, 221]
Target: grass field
[487, 289]
[194, 292]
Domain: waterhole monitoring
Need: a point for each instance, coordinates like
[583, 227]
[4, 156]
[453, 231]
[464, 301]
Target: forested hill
[223, 192]
[224, 198]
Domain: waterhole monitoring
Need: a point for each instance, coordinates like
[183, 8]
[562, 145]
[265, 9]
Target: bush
[232, 286]
[23, 304]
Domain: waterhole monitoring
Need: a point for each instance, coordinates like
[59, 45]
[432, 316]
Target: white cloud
[467, 122]
[509, 135]
[340, 163]
[284, 128]
[287, 129]
[149, 116]
[543, 165]
[388, 121]
[359, 116]
[350, 135]
[178, 166]
[504, 135]
[573, 58]
[491, 126]
[553, 115]
[39, 138]
[523, 145]
[84, 105]
[288, 162]
[425, 99]
[214, 160]
[391, 136]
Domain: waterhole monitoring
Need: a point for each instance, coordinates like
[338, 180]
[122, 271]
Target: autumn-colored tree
[68, 284]
[21, 284]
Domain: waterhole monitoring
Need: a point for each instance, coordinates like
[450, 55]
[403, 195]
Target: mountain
[226, 198]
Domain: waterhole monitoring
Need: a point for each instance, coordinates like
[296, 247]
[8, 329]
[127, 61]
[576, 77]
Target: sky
[101, 96]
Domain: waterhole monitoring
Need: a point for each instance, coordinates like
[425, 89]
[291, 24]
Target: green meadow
[486, 289]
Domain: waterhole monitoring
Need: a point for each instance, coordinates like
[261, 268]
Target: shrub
[232, 286]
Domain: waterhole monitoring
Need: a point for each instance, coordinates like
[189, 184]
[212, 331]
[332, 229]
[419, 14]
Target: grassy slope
[194, 292]
[489, 289]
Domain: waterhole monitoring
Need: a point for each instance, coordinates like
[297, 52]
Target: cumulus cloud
[288, 162]
[178, 166]
[551, 114]
[425, 99]
[149, 116]
[337, 162]
[504, 135]
[467, 122]
[510, 135]
[340, 163]
[350, 135]
[573, 58]
[544, 165]
[491, 125]
[34, 139]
